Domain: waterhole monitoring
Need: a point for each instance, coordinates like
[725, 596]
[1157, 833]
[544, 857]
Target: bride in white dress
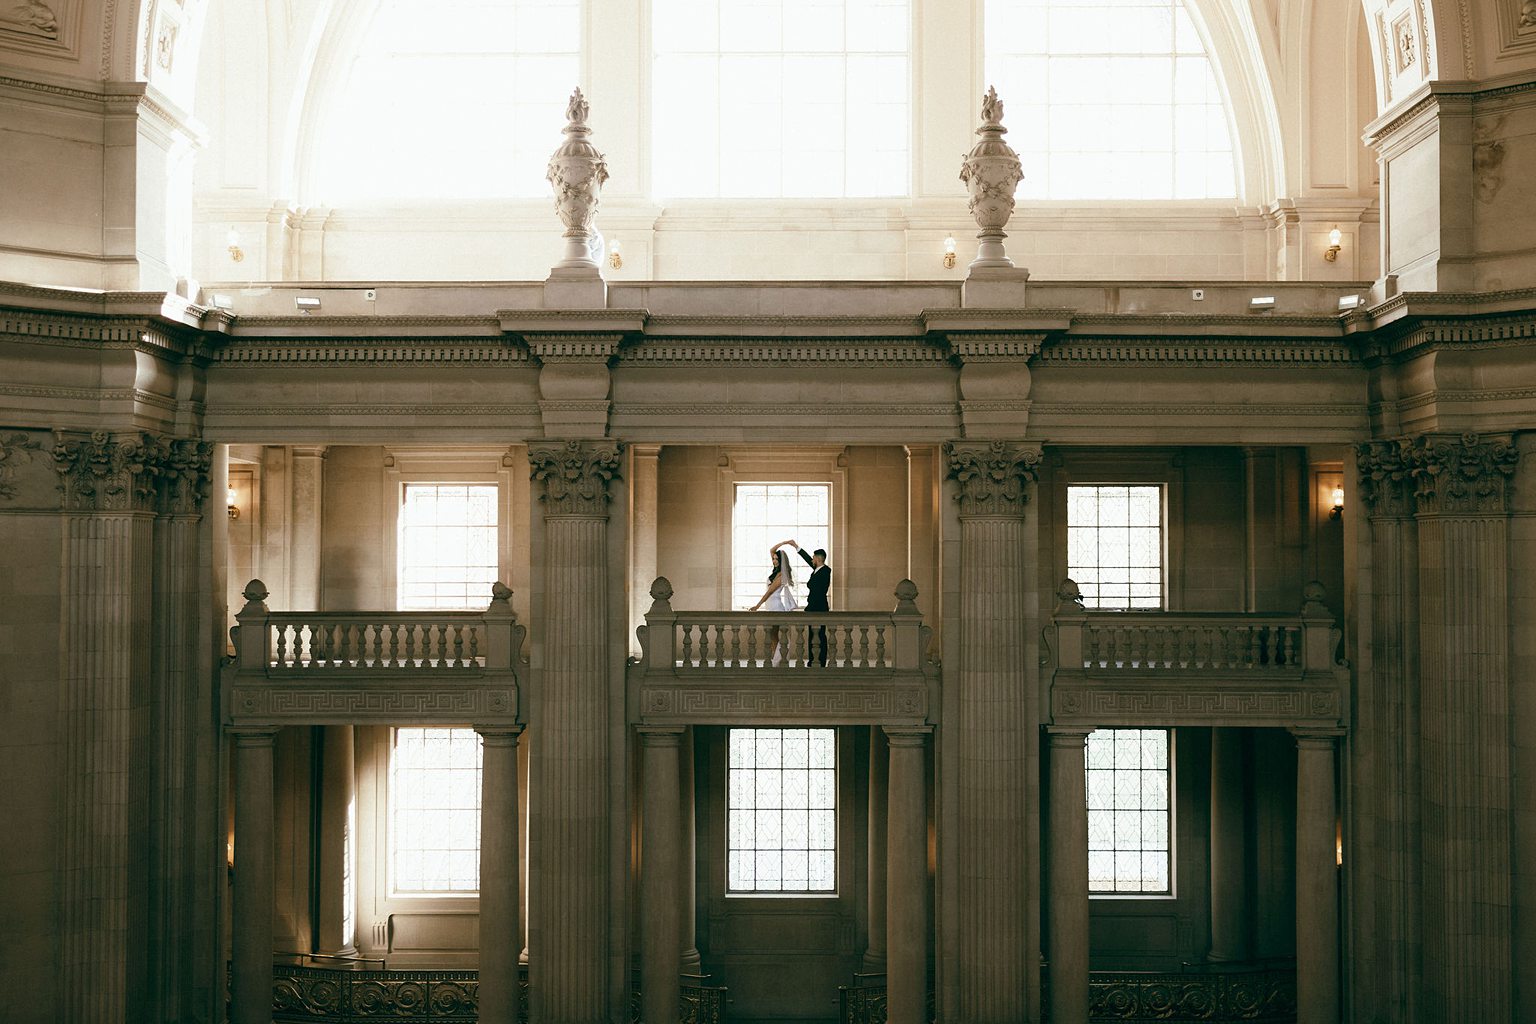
[780, 595]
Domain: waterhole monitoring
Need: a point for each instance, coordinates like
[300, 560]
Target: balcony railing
[334, 644]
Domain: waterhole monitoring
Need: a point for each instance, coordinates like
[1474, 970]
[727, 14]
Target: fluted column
[907, 880]
[991, 734]
[1067, 923]
[1229, 873]
[251, 955]
[338, 825]
[879, 758]
[1385, 746]
[501, 937]
[1317, 885]
[660, 875]
[1460, 487]
[109, 491]
[569, 891]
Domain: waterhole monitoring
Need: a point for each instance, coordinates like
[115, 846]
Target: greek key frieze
[435, 703]
[716, 703]
[1237, 704]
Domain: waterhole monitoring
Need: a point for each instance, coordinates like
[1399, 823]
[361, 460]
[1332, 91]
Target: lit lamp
[949, 252]
[1335, 243]
[1337, 511]
[615, 257]
[233, 239]
[234, 510]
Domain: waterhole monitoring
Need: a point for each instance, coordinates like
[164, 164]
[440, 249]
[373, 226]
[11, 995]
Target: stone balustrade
[720, 666]
[1151, 667]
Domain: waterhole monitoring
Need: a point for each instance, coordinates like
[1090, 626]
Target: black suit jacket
[818, 585]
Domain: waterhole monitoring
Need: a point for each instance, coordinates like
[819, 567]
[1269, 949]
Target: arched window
[1110, 99]
[452, 98]
[780, 98]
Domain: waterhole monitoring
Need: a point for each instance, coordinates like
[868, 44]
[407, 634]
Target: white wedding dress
[782, 600]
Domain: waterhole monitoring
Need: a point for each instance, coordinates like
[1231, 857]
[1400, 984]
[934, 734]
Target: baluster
[408, 645]
[282, 645]
[847, 645]
[863, 646]
[1138, 647]
[474, 648]
[749, 659]
[344, 646]
[377, 646]
[880, 647]
[1290, 646]
[1090, 647]
[458, 646]
[1255, 654]
[687, 646]
[1234, 646]
[736, 645]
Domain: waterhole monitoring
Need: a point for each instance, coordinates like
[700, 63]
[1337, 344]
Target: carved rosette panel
[994, 479]
[132, 473]
[1385, 479]
[574, 476]
[1462, 476]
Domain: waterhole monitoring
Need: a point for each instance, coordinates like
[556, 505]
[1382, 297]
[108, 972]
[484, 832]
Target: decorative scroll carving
[994, 478]
[1384, 479]
[575, 476]
[101, 474]
[1263, 996]
[15, 449]
[184, 467]
[347, 996]
[32, 17]
[1463, 475]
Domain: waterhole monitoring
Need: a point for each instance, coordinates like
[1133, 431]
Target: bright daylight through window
[780, 98]
[1115, 545]
[452, 99]
[448, 549]
[783, 811]
[434, 815]
[1110, 99]
[766, 514]
[1129, 813]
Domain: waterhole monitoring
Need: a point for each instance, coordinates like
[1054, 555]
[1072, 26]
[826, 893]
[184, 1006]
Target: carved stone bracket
[1463, 475]
[994, 478]
[15, 449]
[575, 475]
[132, 473]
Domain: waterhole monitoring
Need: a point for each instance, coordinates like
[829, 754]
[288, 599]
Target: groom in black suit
[816, 600]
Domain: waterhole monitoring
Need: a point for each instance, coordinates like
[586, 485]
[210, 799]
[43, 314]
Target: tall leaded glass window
[448, 546]
[434, 812]
[1110, 99]
[1130, 817]
[782, 787]
[765, 514]
[1115, 544]
[780, 98]
[452, 98]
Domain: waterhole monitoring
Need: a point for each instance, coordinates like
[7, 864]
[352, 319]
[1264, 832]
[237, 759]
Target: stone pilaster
[1317, 882]
[1460, 488]
[1067, 926]
[501, 937]
[661, 875]
[569, 907]
[110, 497]
[992, 733]
[879, 791]
[306, 488]
[250, 989]
[907, 879]
[1230, 916]
[1385, 745]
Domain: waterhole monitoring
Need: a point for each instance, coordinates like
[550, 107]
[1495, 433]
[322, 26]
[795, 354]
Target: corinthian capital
[1461, 475]
[1386, 485]
[575, 475]
[184, 469]
[104, 474]
[994, 477]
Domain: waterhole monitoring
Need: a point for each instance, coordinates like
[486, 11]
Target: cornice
[334, 411]
[245, 325]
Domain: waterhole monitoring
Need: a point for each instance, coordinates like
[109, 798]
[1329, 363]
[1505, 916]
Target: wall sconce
[234, 510]
[233, 239]
[1337, 511]
[1335, 243]
[949, 252]
[615, 257]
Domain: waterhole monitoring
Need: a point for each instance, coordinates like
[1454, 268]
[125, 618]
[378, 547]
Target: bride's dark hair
[782, 564]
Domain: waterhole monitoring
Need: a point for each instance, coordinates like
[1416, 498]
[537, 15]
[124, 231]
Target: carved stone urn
[991, 172]
[577, 172]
